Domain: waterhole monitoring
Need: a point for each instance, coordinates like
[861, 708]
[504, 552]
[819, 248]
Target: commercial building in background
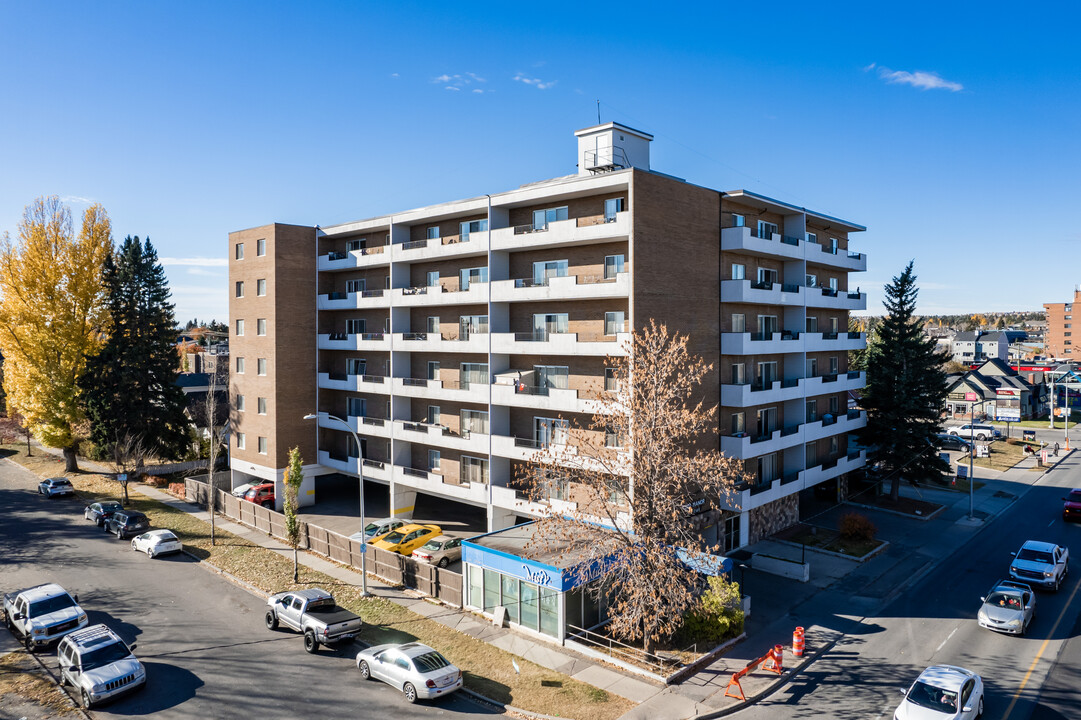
[457, 339]
[1058, 337]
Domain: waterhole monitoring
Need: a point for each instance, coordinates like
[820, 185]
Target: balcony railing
[414, 244]
[375, 422]
[829, 292]
[853, 414]
[789, 240]
[521, 389]
[530, 443]
[854, 335]
[415, 472]
[379, 464]
[853, 374]
[790, 288]
[361, 336]
[762, 285]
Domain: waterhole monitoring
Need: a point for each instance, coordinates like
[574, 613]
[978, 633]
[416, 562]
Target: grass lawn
[826, 539]
[26, 690]
[487, 669]
[1003, 456]
[1037, 424]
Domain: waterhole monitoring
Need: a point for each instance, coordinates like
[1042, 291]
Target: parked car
[377, 529]
[97, 663]
[125, 523]
[417, 670]
[441, 551]
[1071, 506]
[942, 691]
[99, 512]
[42, 614]
[408, 538]
[156, 542]
[314, 613]
[52, 487]
[977, 431]
[261, 495]
[1008, 607]
[951, 442]
[241, 490]
[1041, 563]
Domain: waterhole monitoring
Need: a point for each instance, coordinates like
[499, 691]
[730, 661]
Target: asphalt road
[933, 622]
[202, 639]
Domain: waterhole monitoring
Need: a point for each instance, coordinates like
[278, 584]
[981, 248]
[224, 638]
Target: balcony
[451, 246]
[373, 469]
[516, 500]
[747, 446]
[440, 436]
[354, 341]
[353, 300]
[824, 297]
[833, 383]
[544, 398]
[368, 426]
[761, 292]
[570, 287]
[843, 259]
[761, 344]
[477, 294]
[574, 231]
[849, 421]
[433, 483]
[750, 394]
[762, 494]
[550, 343]
[355, 383]
[742, 239]
[440, 390]
[441, 343]
[834, 342]
[353, 259]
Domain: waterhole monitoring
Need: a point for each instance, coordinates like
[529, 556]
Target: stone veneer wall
[773, 517]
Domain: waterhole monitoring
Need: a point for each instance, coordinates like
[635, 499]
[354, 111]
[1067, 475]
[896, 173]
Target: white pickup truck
[42, 614]
[314, 613]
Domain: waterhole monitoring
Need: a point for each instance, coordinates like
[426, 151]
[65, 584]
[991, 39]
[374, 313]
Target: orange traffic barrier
[797, 642]
[775, 660]
[772, 656]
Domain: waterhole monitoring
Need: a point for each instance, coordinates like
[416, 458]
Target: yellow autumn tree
[52, 314]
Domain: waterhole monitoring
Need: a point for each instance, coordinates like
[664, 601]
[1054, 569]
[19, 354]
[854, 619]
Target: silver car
[51, 487]
[441, 551]
[417, 670]
[98, 665]
[156, 542]
[1008, 607]
[377, 529]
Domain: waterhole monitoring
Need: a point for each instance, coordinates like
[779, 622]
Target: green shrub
[717, 617]
[855, 526]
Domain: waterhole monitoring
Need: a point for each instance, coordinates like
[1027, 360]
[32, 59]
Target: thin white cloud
[919, 79]
[195, 261]
[535, 82]
[394, 75]
[459, 81]
[75, 199]
[448, 87]
[197, 270]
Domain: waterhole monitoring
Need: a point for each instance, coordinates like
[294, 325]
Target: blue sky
[950, 132]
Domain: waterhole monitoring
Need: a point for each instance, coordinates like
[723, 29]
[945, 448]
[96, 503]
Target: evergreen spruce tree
[905, 392]
[129, 388]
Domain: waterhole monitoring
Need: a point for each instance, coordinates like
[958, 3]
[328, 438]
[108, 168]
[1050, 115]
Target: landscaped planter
[780, 566]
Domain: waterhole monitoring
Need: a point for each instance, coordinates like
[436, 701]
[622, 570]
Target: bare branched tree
[628, 481]
[211, 406]
[128, 456]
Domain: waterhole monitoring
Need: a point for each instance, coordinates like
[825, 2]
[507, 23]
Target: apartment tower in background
[1058, 338]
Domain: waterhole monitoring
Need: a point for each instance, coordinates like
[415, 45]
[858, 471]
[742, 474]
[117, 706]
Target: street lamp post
[360, 479]
[971, 397]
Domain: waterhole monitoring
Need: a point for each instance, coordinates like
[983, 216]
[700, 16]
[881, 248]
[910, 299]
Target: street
[934, 622]
[201, 638]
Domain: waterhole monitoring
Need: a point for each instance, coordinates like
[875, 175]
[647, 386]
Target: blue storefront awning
[705, 563]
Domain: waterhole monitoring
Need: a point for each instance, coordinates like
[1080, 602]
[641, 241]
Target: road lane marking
[1032, 667]
[946, 640]
[1050, 523]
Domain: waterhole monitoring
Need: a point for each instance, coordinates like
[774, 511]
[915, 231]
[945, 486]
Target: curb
[810, 548]
[478, 698]
[922, 518]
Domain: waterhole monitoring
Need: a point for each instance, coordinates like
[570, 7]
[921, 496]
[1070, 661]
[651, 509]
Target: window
[240, 288]
[355, 366]
[767, 468]
[474, 469]
[240, 327]
[812, 324]
[353, 245]
[611, 438]
[739, 323]
[433, 278]
[833, 284]
[551, 376]
[240, 403]
[432, 326]
[432, 232]
[261, 404]
[433, 369]
[546, 269]
[739, 374]
[833, 405]
[812, 237]
[812, 367]
[833, 365]
[834, 324]
[240, 440]
[260, 366]
[767, 374]
[240, 366]
[473, 226]
[262, 445]
[1067, 325]
[260, 247]
[433, 415]
[739, 272]
[355, 326]
[611, 380]
[812, 411]
[472, 324]
[767, 325]
[767, 276]
[549, 431]
[433, 460]
[766, 421]
[475, 421]
[356, 407]
[812, 280]
[611, 207]
[260, 287]
[541, 218]
[468, 276]
[835, 445]
[738, 220]
[546, 323]
[357, 285]
[738, 423]
[766, 230]
[509, 597]
[811, 454]
[240, 251]
[833, 246]
[260, 326]
[614, 323]
[731, 533]
[613, 265]
[473, 373]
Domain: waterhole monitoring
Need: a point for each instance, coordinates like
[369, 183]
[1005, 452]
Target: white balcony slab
[556, 400]
[356, 383]
[818, 430]
[751, 498]
[371, 427]
[755, 344]
[354, 301]
[431, 483]
[570, 287]
[441, 248]
[438, 436]
[437, 390]
[563, 233]
[743, 240]
[843, 382]
[508, 499]
[833, 342]
[370, 342]
[743, 291]
[558, 344]
[431, 342]
[477, 294]
[748, 395]
[371, 257]
[841, 301]
[372, 470]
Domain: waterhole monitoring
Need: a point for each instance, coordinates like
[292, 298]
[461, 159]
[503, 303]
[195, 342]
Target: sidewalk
[779, 605]
[544, 654]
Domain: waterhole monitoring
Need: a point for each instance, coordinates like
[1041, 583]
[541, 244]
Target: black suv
[125, 523]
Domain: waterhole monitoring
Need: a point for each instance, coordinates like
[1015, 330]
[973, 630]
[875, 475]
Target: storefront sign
[1009, 414]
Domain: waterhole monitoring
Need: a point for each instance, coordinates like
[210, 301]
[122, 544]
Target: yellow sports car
[408, 538]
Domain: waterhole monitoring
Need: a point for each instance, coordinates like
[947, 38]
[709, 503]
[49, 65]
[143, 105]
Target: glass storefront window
[530, 606]
[476, 586]
[491, 590]
[510, 597]
[549, 612]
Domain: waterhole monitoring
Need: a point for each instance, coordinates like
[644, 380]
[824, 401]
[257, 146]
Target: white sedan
[418, 671]
[942, 692]
[156, 542]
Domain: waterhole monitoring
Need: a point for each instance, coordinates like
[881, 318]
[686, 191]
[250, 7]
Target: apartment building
[459, 338]
[1058, 337]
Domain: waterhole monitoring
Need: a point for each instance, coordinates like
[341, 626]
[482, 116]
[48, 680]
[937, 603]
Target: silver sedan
[417, 670]
[1008, 607]
[156, 542]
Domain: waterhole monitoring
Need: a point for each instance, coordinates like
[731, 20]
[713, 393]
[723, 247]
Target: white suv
[1041, 563]
[980, 432]
[98, 665]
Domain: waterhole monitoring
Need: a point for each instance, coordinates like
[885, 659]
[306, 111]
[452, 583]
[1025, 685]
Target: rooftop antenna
[598, 112]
